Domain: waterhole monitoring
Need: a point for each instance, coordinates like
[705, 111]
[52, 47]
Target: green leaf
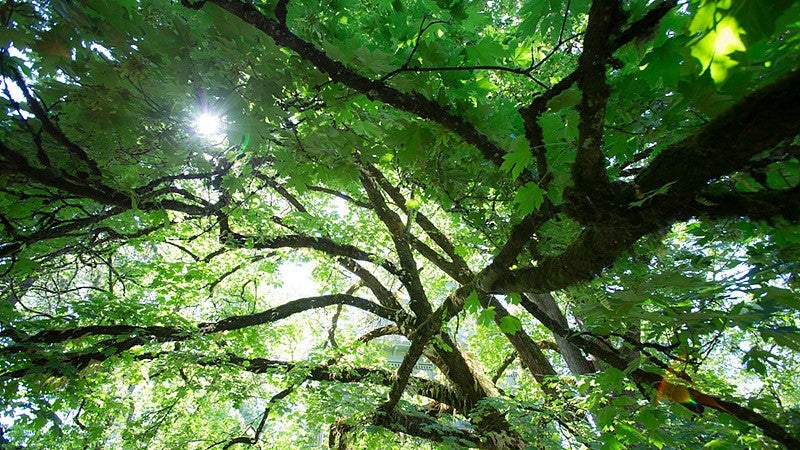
[529, 198]
[486, 317]
[472, 304]
[783, 175]
[664, 63]
[720, 36]
[518, 159]
[787, 336]
[758, 18]
[486, 52]
[413, 203]
[510, 325]
[567, 99]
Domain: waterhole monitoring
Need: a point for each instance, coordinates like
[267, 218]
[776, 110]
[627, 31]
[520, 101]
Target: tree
[600, 198]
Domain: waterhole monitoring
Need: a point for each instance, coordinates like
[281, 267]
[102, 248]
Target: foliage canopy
[584, 214]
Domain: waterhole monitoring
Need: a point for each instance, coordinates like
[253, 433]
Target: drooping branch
[165, 334]
[323, 244]
[109, 202]
[74, 227]
[70, 363]
[294, 307]
[48, 125]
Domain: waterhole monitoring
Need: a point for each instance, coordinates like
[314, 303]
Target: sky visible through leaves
[219, 218]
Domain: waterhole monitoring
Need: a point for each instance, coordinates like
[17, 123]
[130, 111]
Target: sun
[207, 124]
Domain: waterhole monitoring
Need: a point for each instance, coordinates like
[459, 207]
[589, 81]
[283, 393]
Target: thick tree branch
[413, 103]
[641, 27]
[421, 386]
[588, 171]
[132, 335]
[409, 276]
[759, 121]
[576, 361]
[428, 427]
[763, 205]
[530, 355]
[457, 267]
[14, 162]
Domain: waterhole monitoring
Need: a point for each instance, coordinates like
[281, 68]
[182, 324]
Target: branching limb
[427, 427]
[325, 245]
[125, 337]
[409, 275]
[264, 415]
[423, 27]
[456, 267]
[334, 324]
[759, 121]
[421, 386]
[494, 68]
[413, 103]
[650, 379]
[529, 353]
[588, 171]
[641, 27]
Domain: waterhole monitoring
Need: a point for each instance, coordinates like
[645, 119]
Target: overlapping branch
[759, 121]
[121, 338]
[338, 72]
[650, 379]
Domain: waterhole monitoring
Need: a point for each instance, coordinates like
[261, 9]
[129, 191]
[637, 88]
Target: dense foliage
[585, 214]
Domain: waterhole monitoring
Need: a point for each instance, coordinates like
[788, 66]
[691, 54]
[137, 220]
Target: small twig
[506, 362]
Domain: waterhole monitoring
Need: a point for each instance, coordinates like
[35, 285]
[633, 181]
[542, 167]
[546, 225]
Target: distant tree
[585, 214]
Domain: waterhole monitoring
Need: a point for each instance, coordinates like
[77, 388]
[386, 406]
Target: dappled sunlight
[399, 224]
